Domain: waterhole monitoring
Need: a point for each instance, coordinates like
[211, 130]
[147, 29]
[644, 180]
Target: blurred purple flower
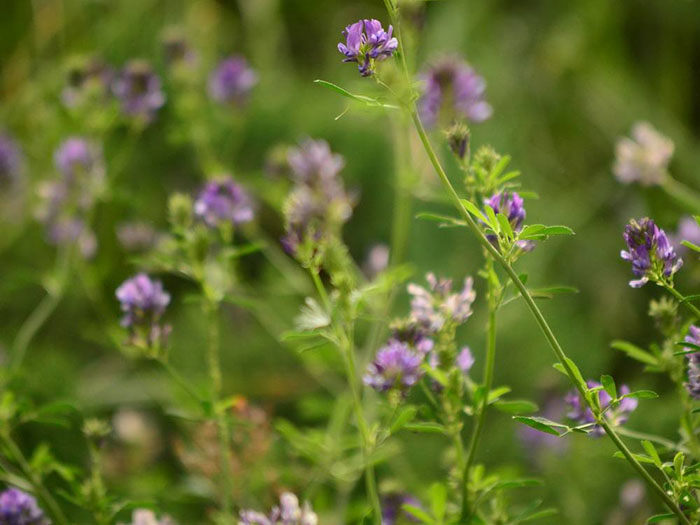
[19, 508]
[289, 512]
[76, 156]
[512, 206]
[313, 162]
[394, 366]
[377, 260]
[644, 158]
[436, 306]
[136, 236]
[365, 42]
[693, 384]
[392, 508]
[232, 81]
[454, 89]
[143, 302]
[650, 252]
[580, 414]
[688, 230]
[148, 517]
[465, 360]
[10, 160]
[139, 90]
[223, 201]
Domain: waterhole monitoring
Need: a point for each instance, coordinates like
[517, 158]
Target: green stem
[659, 440]
[39, 488]
[481, 417]
[181, 381]
[681, 298]
[682, 193]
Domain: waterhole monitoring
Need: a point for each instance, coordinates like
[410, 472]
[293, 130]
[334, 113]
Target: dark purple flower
[223, 201]
[512, 205]
[19, 508]
[88, 80]
[143, 302]
[414, 334]
[650, 252]
[232, 81]
[581, 414]
[10, 160]
[76, 156]
[644, 158]
[436, 306]
[366, 42]
[453, 89]
[392, 508]
[693, 384]
[289, 512]
[139, 90]
[394, 366]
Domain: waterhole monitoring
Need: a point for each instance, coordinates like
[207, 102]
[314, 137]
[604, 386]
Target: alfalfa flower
[650, 252]
[77, 156]
[232, 81]
[581, 414]
[365, 43]
[313, 161]
[643, 158]
[139, 90]
[693, 384]
[10, 160]
[453, 90]
[289, 512]
[512, 205]
[395, 366]
[223, 201]
[19, 508]
[437, 306]
[143, 301]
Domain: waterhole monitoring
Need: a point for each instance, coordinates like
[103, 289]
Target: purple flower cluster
[454, 90]
[10, 160]
[437, 306]
[318, 205]
[148, 517]
[231, 81]
[644, 158]
[581, 414]
[650, 252]
[139, 90]
[392, 508]
[366, 42]
[688, 230]
[66, 202]
[512, 206]
[19, 508]
[395, 366]
[693, 384]
[289, 512]
[222, 201]
[89, 80]
[143, 302]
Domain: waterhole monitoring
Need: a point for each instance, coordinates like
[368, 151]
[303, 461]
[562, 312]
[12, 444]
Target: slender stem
[659, 440]
[401, 222]
[481, 417]
[682, 193]
[181, 381]
[681, 298]
[39, 488]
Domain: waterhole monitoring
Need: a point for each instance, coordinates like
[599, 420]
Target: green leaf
[425, 428]
[532, 231]
[642, 394]
[678, 460]
[685, 344]
[575, 371]
[550, 291]
[538, 423]
[405, 416]
[661, 517]
[609, 385]
[505, 225]
[639, 457]
[690, 245]
[368, 101]
[651, 450]
[544, 513]
[438, 500]
[418, 513]
[440, 218]
[476, 212]
[516, 406]
[497, 393]
[557, 230]
[493, 221]
[635, 352]
[518, 483]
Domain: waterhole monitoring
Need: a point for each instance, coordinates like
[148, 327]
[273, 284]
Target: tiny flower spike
[453, 90]
[10, 160]
[512, 206]
[367, 42]
[650, 252]
[438, 306]
[395, 366]
[643, 158]
[19, 508]
[223, 201]
[581, 414]
[139, 90]
[143, 302]
[232, 81]
[693, 384]
[289, 512]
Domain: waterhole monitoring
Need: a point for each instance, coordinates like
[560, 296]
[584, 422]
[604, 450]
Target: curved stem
[481, 417]
[681, 298]
[682, 193]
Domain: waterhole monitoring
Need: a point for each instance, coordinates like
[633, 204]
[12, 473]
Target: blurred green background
[566, 79]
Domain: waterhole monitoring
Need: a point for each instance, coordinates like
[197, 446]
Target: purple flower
[76, 156]
[313, 162]
[644, 158]
[465, 360]
[377, 261]
[437, 306]
[10, 160]
[148, 517]
[223, 201]
[139, 90]
[453, 89]
[693, 384]
[289, 512]
[19, 508]
[650, 252]
[366, 42]
[143, 302]
[232, 81]
[414, 335]
[512, 206]
[88, 80]
[581, 414]
[394, 366]
[392, 508]
[688, 230]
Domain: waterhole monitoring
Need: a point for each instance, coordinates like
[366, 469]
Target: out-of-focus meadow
[565, 79]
